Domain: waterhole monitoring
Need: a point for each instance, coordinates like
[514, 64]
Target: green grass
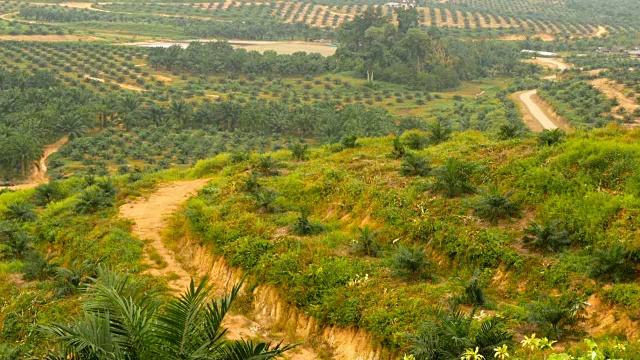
[361, 186]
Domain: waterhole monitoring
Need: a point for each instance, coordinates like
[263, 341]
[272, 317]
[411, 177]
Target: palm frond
[90, 337]
[248, 350]
[179, 326]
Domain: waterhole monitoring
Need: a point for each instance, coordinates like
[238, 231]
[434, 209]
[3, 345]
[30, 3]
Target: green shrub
[551, 137]
[247, 251]
[554, 316]
[299, 151]
[627, 295]
[551, 236]
[493, 206]
[350, 142]
[613, 264]
[266, 200]
[267, 165]
[415, 139]
[453, 178]
[398, 150]
[415, 165]
[412, 264]
[305, 227]
[366, 243]
[93, 199]
[48, 193]
[473, 292]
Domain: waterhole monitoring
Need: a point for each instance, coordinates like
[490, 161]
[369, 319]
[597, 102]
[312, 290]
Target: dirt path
[536, 114]
[149, 217]
[124, 86]
[553, 63]
[39, 174]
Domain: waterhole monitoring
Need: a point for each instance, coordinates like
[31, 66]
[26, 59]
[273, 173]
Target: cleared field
[281, 47]
[614, 90]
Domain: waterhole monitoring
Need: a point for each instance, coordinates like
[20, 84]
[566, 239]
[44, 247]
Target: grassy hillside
[334, 232]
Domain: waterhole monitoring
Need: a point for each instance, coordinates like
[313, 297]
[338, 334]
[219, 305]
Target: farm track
[552, 63]
[39, 174]
[537, 114]
[149, 221]
[536, 111]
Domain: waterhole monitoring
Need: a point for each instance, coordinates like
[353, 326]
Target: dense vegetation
[35, 110]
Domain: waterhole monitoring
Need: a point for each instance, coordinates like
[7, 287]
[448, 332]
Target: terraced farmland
[331, 16]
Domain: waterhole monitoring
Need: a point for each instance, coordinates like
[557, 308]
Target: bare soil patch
[124, 86]
[285, 47]
[602, 32]
[613, 90]
[543, 37]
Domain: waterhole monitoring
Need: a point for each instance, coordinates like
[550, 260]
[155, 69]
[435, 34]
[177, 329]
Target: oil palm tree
[122, 319]
[366, 243]
[454, 333]
[453, 178]
[73, 125]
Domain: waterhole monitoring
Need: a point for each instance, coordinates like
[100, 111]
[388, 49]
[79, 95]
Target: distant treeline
[221, 58]
[372, 48]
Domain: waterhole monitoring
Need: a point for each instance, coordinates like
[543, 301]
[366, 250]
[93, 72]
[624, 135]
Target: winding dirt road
[552, 63]
[536, 111]
[149, 217]
[39, 174]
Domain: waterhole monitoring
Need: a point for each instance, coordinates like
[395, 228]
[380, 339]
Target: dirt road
[553, 63]
[149, 216]
[39, 174]
[536, 111]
